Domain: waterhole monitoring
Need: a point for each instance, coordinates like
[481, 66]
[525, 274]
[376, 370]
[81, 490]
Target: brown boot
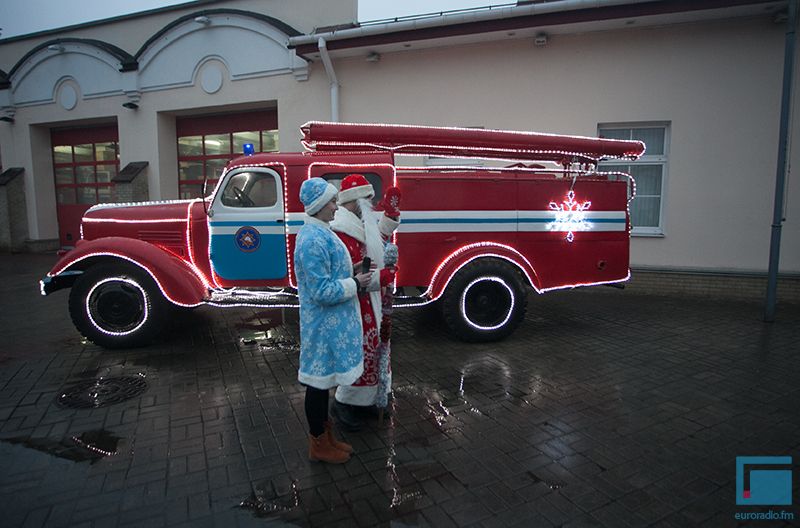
[341, 446]
[321, 449]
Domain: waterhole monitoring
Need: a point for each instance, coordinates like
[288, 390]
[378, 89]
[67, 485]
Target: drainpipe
[326, 59]
[780, 181]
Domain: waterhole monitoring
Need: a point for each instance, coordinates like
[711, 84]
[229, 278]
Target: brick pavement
[603, 409]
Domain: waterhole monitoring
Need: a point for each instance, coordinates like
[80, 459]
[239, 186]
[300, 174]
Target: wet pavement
[604, 409]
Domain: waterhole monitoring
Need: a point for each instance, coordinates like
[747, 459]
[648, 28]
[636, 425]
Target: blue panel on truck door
[248, 252]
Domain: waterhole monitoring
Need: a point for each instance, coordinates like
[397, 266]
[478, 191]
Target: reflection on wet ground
[603, 409]
[270, 498]
[89, 447]
[101, 392]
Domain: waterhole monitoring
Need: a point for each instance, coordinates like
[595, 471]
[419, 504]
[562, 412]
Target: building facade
[148, 106]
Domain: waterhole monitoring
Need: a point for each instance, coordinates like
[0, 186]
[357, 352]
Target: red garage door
[207, 143]
[85, 160]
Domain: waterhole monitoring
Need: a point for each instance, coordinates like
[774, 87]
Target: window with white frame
[649, 172]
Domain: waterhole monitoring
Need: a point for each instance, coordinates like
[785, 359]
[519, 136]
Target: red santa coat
[357, 239]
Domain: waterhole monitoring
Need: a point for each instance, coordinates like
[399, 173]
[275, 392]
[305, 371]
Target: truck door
[246, 226]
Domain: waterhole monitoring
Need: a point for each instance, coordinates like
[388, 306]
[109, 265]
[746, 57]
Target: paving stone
[602, 409]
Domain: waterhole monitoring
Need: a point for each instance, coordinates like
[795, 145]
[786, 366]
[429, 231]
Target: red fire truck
[473, 239]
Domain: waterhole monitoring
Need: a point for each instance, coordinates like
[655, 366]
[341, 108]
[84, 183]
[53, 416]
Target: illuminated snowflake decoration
[570, 216]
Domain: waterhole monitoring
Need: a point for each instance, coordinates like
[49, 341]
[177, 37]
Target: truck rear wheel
[485, 301]
[117, 305]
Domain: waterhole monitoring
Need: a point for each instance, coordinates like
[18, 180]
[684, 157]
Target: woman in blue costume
[331, 349]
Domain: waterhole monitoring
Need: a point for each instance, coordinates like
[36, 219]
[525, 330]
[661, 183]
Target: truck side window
[250, 189]
[336, 180]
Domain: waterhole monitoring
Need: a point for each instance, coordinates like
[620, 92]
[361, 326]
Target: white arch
[96, 71]
[248, 47]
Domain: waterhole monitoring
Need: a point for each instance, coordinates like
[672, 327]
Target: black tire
[494, 301]
[118, 305]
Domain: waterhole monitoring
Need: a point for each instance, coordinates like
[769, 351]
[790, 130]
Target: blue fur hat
[315, 193]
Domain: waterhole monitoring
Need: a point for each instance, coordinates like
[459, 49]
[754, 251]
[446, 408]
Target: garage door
[85, 160]
[207, 143]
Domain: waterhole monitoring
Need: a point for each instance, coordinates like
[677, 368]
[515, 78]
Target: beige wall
[718, 84]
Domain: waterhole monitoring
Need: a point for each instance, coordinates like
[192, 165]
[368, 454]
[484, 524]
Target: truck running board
[274, 298]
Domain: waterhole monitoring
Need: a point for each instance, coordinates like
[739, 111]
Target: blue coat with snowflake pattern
[331, 351]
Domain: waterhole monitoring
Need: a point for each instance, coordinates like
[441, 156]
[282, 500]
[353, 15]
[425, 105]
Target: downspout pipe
[326, 60]
[780, 180]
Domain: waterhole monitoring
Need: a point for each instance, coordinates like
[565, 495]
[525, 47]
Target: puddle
[90, 446]
[553, 485]
[100, 392]
[280, 343]
[400, 498]
[409, 462]
[267, 337]
[273, 496]
[268, 340]
[265, 329]
[260, 326]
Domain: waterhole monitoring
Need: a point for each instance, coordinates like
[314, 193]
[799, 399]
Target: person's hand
[391, 202]
[357, 266]
[364, 278]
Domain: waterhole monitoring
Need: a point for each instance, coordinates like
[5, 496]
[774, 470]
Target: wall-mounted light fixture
[203, 20]
[131, 105]
[7, 119]
[540, 39]
[374, 57]
[55, 47]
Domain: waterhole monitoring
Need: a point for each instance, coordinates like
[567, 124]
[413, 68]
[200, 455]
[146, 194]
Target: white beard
[366, 232]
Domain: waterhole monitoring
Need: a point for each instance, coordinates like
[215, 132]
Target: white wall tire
[117, 305]
[485, 301]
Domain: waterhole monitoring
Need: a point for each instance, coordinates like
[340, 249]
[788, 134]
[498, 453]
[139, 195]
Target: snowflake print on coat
[330, 322]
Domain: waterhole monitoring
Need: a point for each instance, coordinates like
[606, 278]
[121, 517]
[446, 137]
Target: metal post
[780, 180]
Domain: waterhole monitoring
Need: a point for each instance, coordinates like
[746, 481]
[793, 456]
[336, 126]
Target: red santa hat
[355, 186]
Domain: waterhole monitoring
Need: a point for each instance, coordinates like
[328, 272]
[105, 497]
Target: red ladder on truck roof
[466, 143]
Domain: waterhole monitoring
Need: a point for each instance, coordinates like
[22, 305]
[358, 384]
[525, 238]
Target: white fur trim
[354, 193]
[362, 395]
[388, 225]
[368, 234]
[340, 379]
[350, 288]
[349, 224]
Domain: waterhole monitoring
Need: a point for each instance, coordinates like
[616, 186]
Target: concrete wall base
[713, 285]
[38, 246]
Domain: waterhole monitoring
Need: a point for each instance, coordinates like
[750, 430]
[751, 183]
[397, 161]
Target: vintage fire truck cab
[473, 239]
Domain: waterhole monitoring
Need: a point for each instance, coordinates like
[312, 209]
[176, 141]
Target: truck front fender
[463, 256]
[180, 282]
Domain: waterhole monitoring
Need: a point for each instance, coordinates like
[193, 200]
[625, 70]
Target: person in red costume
[365, 236]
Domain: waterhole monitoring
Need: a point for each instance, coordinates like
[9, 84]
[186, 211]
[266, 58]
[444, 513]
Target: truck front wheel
[485, 301]
[117, 305]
